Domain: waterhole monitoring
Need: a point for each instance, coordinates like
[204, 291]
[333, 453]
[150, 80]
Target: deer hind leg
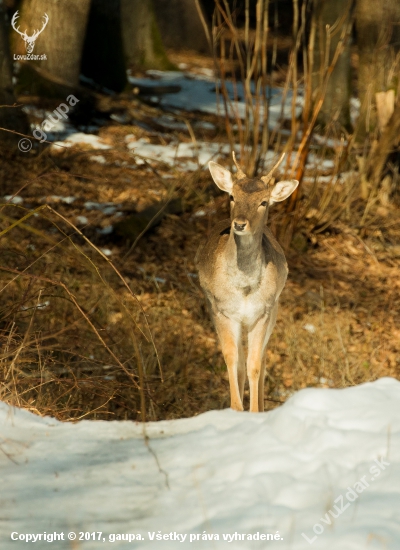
[270, 328]
[261, 382]
[230, 337]
[241, 370]
[256, 359]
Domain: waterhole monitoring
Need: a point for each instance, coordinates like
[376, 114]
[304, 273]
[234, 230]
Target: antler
[266, 179]
[13, 21]
[240, 174]
[36, 33]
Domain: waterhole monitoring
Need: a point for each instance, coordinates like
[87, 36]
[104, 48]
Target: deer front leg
[257, 344]
[230, 337]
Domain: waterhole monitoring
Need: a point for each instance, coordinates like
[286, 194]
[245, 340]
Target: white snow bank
[219, 473]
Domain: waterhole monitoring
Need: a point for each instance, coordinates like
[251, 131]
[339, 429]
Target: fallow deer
[242, 270]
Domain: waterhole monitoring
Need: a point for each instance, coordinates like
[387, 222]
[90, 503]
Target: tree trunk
[10, 117]
[103, 54]
[62, 38]
[336, 106]
[141, 38]
[378, 40]
[180, 25]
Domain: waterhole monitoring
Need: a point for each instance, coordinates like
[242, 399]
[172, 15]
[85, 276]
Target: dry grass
[73, 336]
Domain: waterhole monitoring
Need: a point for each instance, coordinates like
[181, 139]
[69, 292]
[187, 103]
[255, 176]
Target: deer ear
[282, 190]
[221, 176]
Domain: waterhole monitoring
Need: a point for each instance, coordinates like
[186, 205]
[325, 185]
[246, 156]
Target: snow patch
[14, 199]
[98, 158]
[80, 138]
[198, 93]
[174, 154]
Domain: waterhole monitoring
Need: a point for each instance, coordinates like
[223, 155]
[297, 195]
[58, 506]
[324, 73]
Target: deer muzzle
[240, 226]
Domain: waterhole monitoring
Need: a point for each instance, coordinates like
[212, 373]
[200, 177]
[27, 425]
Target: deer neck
[244, 253]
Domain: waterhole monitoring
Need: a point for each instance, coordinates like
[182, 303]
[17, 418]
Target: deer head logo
[29, 40]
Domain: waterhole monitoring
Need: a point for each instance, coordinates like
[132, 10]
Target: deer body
[242, 271]
[256, 273]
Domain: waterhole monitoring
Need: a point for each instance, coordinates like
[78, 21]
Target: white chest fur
[250, 309]
[250, 298]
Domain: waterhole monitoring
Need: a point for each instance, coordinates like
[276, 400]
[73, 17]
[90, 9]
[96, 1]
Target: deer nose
[240, 225]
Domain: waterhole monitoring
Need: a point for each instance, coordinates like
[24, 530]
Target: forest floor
[92, 307]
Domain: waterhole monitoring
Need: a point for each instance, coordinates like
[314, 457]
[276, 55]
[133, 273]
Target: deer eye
[231, 198]
[264, 203]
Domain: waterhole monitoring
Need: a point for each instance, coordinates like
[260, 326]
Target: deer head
[250, 197]
[29, 40]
